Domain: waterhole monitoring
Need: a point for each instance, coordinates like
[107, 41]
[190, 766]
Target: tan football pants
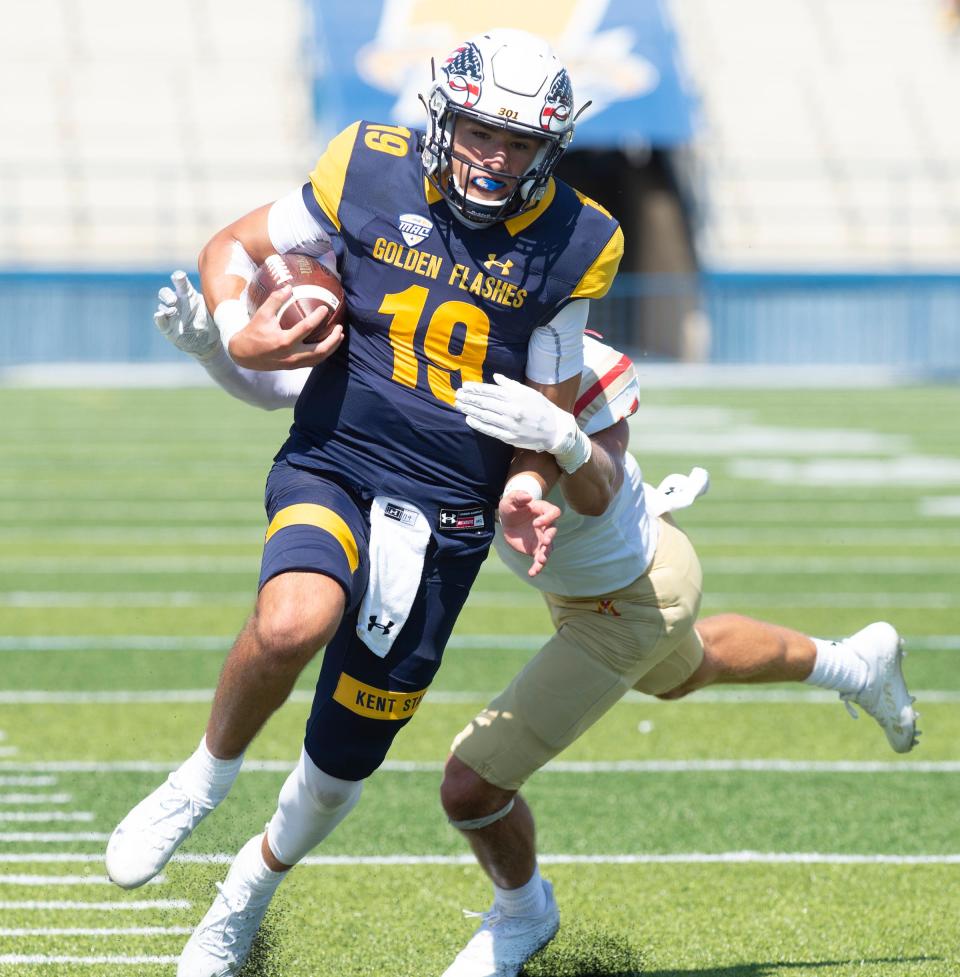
[640, 637]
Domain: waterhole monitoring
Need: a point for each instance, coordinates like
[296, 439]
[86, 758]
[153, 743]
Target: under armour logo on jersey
[414, 228]
[607, 607]
[373, 623]
[492, 263]
[461, 520]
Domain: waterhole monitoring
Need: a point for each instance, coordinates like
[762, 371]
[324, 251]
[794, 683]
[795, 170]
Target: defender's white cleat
[503, 944]
[885, 695]
[142, 843]
[222, 940]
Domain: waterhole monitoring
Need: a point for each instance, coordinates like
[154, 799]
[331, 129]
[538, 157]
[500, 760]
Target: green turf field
[757, 834]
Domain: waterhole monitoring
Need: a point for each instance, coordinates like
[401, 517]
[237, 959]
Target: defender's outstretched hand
[528, 526]
[263, 344]
[183, 318]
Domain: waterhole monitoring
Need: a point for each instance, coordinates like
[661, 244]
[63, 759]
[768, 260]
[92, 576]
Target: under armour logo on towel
[372, 623]
[607, 607]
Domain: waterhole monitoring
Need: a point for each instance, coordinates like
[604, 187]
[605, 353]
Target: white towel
[399, 533]
[676, 491]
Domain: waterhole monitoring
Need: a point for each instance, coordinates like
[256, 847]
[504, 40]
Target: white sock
[250, 869]
[207, 778]
[528, 900]
[837, 667]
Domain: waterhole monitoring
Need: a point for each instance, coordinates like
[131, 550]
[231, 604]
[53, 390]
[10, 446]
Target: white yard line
[772, 765]
[137, 905]
[247, 566]
[48, 880]
[36, 959]
[443, 697]
[220, 643]
[930, 600]
[12, 837]
[43, 781]
[36, 798]
[126, 642]
[131, 566]
[633, 858]
[743, 857]
[861, 566]
[99, 931]
[40, 816]
[121, 598]
[209, 642]
[753, 766]
[247, 537]
[825, 537]
[479, 598]
[9, 750]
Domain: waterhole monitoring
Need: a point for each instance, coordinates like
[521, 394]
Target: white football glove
[676, 491]
[183, 318]
[521, 416]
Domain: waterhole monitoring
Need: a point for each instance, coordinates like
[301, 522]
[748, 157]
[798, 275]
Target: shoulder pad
[609, 391]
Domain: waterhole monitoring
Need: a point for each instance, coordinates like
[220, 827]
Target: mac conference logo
[414, 228]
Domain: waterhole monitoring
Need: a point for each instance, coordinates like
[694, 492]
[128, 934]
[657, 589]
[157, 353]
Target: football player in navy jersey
[615, 629]
[461, 258]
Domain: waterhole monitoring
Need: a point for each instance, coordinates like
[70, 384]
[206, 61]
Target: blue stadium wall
[910, 320]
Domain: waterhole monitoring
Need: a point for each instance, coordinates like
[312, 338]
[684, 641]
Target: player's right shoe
[222, 941]
[503, 944]
[885, 695]
[142, 843]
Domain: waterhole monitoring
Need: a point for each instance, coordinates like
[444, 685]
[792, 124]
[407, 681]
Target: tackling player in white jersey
[623, 586]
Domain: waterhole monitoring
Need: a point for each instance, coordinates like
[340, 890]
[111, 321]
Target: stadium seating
[132, 134]
[829, 135]
[829, 131]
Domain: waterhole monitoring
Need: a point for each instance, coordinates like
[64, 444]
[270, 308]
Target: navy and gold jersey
[431, 303]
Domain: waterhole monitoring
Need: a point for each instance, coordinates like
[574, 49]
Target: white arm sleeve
[555, 352]
[293, 228]
[269, 390]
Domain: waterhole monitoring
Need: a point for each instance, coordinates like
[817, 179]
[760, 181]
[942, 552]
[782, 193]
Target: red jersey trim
[618, 369]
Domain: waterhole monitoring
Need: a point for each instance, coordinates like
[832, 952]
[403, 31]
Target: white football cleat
[142, 843]
[885, 695]
[222, 940]
[503, 944]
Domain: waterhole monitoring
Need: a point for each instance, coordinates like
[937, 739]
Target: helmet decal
[558, 104]
[464, 71]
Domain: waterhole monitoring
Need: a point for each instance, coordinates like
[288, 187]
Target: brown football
[313, 285]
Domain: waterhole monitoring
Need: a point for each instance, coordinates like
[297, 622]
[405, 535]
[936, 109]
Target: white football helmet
[512, 80]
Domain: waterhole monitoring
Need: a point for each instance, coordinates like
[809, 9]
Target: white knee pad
[311, 805]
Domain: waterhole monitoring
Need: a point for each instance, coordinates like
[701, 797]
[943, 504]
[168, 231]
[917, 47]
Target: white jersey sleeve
[609, 390]
[293, 228]
[269, 390]
[555, 352]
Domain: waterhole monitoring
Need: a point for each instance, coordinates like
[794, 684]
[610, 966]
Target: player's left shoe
[221, 942]
[503, 944]
[885, 695]
[144, 841]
